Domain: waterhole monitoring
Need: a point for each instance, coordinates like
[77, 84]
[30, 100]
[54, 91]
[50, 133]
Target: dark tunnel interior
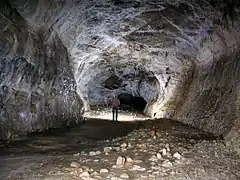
[132, 103]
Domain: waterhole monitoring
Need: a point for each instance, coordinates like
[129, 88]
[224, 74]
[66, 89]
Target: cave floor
[81, 152]
[105, 113]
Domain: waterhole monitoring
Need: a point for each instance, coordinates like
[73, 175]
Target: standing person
[115, 103]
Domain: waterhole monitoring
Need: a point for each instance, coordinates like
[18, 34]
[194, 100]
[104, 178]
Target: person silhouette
[115, 103]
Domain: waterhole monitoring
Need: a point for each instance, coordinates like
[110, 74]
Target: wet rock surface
[122, 151]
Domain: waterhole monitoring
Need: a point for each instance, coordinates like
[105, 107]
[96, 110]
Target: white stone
[153, 158]
[107, 149]
[103, 171]
[95, 173]
[120, 160]
[117, 148]
[177, 155]
[164, 152]
[159, 156]
[138, 168]
[98, 152]
[124, 176]
[75, 164]
[167, 164]
[167, 148]
[92, 153]
[129, 159]
[76, 155]
[85, 174]
[123, 145]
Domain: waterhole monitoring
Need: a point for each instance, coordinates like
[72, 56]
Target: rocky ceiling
[58, 57]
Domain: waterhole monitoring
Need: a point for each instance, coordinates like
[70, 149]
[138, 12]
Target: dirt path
[97, 144]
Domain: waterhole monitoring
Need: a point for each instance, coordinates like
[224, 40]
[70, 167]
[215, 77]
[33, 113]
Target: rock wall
[37, 88]
[180, 56]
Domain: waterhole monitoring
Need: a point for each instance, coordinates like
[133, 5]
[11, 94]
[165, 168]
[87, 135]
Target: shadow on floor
[91, 134]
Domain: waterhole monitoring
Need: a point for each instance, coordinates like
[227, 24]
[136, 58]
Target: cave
[174, 65]
[131, 103]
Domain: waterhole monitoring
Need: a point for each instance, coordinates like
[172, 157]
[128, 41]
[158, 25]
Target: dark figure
[115, 103]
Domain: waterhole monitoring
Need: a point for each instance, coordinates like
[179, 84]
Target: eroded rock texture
[180, 56]
[37, 89]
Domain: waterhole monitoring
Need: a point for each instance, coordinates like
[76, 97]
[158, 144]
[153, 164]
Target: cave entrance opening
[132, 103]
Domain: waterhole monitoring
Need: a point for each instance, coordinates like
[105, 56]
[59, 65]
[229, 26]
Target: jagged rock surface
[178, 55]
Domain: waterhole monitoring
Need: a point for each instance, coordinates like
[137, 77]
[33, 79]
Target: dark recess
[129, 102]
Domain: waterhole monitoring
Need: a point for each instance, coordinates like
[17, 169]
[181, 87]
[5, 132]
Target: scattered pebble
[129, 160]
[107, 149]
[167, 164]
[76, 155]
[75, 164]
[167, 148]
[138, 168]
[95, 173]
[85, 174]
[123, 145]
[98, 152]
[124, 176]
[121, 160]
[164, 152]
[92, 153]
[177, 155]
[103, 171]
[159, 156]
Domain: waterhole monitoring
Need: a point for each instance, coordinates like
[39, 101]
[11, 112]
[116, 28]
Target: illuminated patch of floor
[106, 114]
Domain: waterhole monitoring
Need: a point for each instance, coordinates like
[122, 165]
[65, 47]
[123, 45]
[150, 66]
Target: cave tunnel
[132, 103]
[174, 65]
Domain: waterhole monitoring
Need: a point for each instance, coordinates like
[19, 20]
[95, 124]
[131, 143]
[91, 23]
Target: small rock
[167, 148]
[177, 155]
[85, 174]
[114, 178]
[120, 160]
[86, 168]
[103, 171]
[75, 164]
[76, 155]
[164, 152]
[96, 160]
[95, 173]
[129, 159]
[124, 176]
[117, 148]
[92, 153]
[98, 152]
[159, 156]
[153, 158]
[107, 149]
[138, 168]
[167, 164]
[123, 145]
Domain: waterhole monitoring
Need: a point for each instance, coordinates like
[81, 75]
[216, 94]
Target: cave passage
[132, 103]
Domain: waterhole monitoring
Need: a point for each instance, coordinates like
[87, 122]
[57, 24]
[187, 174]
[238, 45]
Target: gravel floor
[120, 150]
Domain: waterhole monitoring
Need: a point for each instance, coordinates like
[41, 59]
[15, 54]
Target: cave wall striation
[181, 56]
